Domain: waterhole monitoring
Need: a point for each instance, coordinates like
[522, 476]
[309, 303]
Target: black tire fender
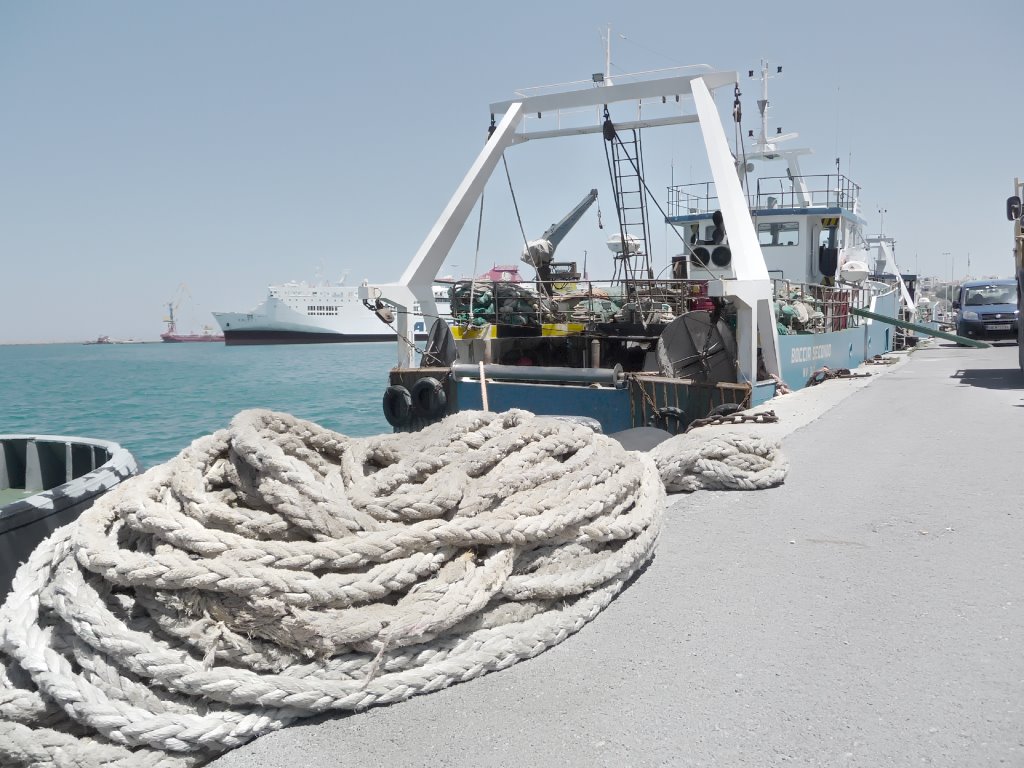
[428, 398]
[660, 418]
[397, 405]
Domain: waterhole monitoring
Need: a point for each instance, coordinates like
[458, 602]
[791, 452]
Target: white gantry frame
[750, 289]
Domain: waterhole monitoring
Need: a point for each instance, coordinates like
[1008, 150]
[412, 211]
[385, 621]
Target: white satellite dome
[615, 244]
[854, 272]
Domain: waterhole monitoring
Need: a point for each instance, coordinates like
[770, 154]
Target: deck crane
[540, 253]
[557, 232]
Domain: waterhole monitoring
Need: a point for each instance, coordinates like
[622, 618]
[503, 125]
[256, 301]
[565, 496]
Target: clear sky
[230, 145]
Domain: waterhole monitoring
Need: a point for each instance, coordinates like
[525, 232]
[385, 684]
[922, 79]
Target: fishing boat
[304, 313]
[47, 481]
[765, 292]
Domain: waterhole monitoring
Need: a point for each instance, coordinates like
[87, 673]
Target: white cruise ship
[301, 313]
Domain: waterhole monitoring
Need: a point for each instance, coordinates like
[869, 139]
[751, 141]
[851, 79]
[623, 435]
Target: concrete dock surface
[869, 612]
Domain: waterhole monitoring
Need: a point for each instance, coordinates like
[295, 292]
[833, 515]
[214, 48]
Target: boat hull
[678, 401]
[188, 339]
[626, 408]
[254, 338]
[618, 409]
[48, 481]
[642, 399]
[801, 355]
[634, 400]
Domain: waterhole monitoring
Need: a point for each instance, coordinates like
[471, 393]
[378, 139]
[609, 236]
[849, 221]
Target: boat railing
[807, 308]
[692, 199]
[828, 190]
[800, 307]
[576, 300]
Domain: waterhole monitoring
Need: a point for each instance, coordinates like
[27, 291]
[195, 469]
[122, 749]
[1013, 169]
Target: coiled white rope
[276, 569]
[711, 458]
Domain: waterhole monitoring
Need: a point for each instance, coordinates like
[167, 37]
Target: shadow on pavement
[991, 378]
[953, 345]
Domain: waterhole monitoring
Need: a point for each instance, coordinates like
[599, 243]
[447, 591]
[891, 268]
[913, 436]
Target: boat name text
[816, 352]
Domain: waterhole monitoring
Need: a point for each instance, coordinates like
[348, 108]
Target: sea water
[155, 398]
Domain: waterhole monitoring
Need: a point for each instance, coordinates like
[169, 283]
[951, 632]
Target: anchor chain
[824, 374]
[768, 417]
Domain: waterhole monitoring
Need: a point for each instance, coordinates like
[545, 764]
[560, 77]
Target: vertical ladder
[626, 167]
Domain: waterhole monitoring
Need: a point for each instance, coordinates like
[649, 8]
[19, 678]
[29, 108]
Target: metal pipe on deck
[611, 377]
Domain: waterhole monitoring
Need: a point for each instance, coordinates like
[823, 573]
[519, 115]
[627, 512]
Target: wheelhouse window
[779, 233]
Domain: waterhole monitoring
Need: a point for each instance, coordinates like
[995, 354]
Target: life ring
[428, 398]
[397, 405]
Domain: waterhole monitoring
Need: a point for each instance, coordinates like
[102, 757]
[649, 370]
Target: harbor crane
[181, 295]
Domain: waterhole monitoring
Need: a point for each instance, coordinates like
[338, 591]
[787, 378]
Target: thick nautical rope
[276, 569]
[712, 459]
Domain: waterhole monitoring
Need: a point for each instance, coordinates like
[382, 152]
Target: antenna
[605, 78]
[837, 120]
[762, 103]
[881, 212]
[608, 56]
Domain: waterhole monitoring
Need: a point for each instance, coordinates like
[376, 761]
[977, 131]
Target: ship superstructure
[305, 313]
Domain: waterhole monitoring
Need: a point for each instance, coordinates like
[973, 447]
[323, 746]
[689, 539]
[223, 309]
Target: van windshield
[990, 294]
